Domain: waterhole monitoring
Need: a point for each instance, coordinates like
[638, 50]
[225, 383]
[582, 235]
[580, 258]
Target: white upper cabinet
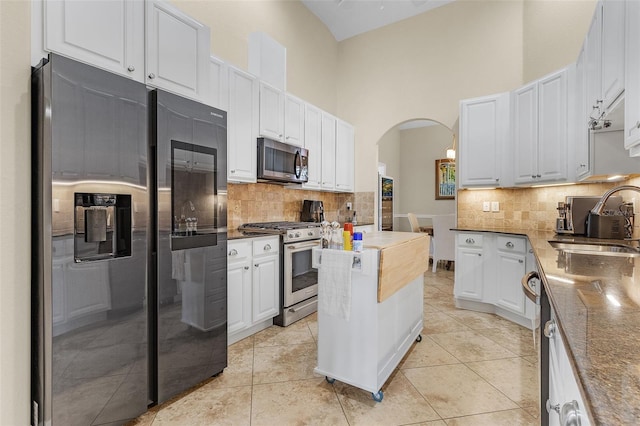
[540, 130]
[149, 41]
[218, 95]
[552, 127]
[484, 128]
[345, 153]
[579, 136]
[293, 120]
[525, 132]
[268, 60]
[313, 142]
[605, 51]
[632, 76]
[271, 112]
[177, 48]
[242, 126]
[613, 50]
[106, 34]
[328, 137]
[593, 68]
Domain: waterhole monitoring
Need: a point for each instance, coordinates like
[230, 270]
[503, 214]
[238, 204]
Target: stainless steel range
[298, 278]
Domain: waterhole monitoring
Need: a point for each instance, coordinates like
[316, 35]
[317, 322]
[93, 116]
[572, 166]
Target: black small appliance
[312, 211]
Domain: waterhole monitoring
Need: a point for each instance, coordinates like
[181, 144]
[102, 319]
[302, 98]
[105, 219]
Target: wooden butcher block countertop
[403, 257]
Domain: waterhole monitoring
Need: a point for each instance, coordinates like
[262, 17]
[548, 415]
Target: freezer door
[91, 326]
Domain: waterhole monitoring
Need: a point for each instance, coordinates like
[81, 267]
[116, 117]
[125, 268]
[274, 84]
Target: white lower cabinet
[565, 401]
[511, 268]
[489, 269]
[253, 281]
[238, 287]
[469, 267]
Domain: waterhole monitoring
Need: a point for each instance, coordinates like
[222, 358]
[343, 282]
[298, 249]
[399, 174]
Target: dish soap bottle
[354, 221]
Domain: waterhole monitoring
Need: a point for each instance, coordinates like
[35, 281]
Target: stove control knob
[290, 235]
[310, 233]
[297, 235]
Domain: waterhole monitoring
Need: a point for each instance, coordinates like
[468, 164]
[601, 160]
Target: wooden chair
[413, 221]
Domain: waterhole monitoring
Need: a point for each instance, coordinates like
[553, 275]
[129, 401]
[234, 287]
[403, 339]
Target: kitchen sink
[596, 248]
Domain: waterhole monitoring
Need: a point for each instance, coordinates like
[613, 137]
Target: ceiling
[347, 18]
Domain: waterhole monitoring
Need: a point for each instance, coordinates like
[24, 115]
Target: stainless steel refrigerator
[118, 320]
[385, 203]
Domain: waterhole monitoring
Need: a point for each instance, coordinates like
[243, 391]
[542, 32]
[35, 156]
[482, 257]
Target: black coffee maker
[312, 211]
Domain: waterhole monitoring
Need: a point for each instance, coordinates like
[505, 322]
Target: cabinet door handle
[637, 124]
[233, 252]
[520, 261]
[570, 414]
[479, 254]
[152, 76]
[267, 247]
[256, 265]
[538, 175]
[233, 171]
[533, 176]
[470, 241]
[131, 68]
[526, 286]
[550, 329]
[246, 268]
[509, 244]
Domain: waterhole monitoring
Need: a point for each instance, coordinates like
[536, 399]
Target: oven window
[304, 275]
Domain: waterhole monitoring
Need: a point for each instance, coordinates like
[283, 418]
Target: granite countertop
[602, 337]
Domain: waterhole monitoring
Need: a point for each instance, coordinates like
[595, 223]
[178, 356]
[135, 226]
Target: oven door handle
[306, 305]
[303, 246]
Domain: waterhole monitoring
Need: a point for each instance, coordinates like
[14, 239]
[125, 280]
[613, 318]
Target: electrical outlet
[486, 206]
[495, 206]
[348, 206]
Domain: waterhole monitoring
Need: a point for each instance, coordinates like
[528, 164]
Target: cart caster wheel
[329, 380]
[419, 338]
[377, 397]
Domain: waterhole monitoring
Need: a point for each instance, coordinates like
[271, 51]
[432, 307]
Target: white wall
[419, 150]
[15, 196]
[410, 157]
[420, 67]
[312, 52]
[545, 50]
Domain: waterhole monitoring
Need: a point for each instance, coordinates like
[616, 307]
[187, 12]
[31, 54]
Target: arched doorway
[408, 152]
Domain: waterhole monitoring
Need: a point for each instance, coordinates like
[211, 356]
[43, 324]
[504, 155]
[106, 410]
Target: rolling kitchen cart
[386, 314]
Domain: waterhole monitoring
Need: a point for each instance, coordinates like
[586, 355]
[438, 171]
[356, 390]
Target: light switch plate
[495, 206]
[486, 206]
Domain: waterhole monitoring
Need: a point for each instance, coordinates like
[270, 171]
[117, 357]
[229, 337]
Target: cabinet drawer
[237, 251]
[470, 240]
[512, 244]
[266, 246]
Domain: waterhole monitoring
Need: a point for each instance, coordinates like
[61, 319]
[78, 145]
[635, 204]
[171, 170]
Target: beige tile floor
[469, 369]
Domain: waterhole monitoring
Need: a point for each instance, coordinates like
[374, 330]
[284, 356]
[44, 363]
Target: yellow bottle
[346, 240]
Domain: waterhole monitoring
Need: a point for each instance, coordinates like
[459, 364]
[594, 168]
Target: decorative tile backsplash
[527, 208]
[263, 202]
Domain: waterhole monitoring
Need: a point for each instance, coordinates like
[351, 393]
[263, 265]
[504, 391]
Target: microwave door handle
[297, 164]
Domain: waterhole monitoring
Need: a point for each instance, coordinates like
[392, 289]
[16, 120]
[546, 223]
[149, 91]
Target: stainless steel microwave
[281, 162]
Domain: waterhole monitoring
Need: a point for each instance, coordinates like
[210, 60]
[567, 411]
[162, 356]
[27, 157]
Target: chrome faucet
[600, 226]
[597, 210]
